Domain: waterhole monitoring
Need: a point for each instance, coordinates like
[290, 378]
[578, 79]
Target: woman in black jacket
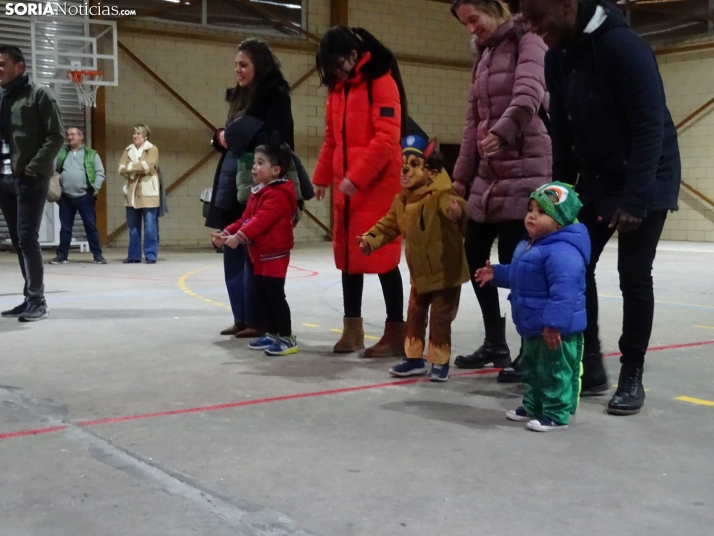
[260, 103]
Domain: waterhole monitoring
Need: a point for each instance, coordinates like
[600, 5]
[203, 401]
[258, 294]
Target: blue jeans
[238, 272]
[22, 201]
[150, 217]
[68, 208]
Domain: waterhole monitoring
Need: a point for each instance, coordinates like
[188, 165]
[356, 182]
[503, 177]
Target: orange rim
[78, 76]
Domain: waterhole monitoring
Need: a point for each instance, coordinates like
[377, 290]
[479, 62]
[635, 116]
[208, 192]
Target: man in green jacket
[31, 135]
[82, 177]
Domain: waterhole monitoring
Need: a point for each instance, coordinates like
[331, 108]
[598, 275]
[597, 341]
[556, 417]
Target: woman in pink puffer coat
[505, 153]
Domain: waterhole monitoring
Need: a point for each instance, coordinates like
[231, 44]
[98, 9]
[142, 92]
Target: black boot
[494, 349]
[511, 374]
[630, 394]
[594, 380]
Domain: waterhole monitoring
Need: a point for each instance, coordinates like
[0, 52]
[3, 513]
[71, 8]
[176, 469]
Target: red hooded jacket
[267, 222]
[362, 144]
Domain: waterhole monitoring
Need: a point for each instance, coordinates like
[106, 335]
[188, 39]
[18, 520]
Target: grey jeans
[22, 201]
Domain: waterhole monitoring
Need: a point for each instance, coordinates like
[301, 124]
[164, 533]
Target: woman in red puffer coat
[361, 158]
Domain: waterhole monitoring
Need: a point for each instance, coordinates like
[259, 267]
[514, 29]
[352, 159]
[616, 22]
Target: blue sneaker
[545, 424]
[439, 373]
[262, 343]
[518, 415]
[408, 367]
[282, 346]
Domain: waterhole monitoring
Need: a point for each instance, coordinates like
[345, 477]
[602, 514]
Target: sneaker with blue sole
[518, 415]
[439, 373]
[282, 346]
[545, 424]
[408, 367]
[262, 343]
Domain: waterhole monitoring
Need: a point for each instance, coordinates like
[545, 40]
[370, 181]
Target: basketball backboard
[61, 44]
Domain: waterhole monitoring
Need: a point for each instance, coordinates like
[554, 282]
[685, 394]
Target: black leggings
[392, 289]
[270, 295]
[478, 243]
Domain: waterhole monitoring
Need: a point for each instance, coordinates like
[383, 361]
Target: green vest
[89, 155]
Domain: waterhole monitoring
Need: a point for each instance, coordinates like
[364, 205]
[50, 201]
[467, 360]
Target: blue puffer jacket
[547, 282]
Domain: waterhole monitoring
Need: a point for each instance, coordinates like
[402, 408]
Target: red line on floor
[286, 398]
[33, 432]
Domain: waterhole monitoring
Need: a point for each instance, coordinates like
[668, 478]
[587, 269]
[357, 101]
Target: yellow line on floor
[333, 330]
[183, 286]
[703, 327]
[371, 337]
[311, 325]
[663, 302]
[697, 401]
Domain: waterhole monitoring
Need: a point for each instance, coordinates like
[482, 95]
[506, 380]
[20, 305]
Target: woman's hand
[454, 212]
[492, 144]
[319, 192]
[364, 246]
[460, 189]
[484, 275]
[218, 239]
[348, 187]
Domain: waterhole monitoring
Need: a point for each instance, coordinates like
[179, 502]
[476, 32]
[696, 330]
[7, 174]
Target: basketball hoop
[86, 90]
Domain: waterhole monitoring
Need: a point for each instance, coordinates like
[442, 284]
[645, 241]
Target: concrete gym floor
[126, 413]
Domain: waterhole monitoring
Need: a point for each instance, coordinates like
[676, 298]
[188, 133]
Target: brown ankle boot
[392, 342]
[235, 328]
[352, 336]
[251, 332]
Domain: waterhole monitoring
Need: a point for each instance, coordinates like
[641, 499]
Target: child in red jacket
[266, 226]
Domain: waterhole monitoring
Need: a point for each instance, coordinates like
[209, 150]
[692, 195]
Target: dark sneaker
[518, 415]
[131, 261]
[439, 373]
[34, 312]
[262, 343]
[630, 394]
[150, 261]
[408, 367]
[545, 424]
[282, 346]
[15, 311]
[100, 260]
[59, 259]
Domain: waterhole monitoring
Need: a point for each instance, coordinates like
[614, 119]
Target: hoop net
[86, 91]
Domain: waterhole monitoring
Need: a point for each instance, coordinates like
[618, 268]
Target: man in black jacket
[614, 139]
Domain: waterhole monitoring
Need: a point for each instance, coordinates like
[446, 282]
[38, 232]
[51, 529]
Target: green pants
[552, 377]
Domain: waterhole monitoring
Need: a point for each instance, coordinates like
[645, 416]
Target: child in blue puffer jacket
[547, 282]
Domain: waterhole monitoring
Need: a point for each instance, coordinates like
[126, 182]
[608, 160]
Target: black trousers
[392, 289]
[270, 295]
[22, 201]
[478, 244]
[635, 256]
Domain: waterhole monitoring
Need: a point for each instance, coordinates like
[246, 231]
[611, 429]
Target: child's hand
[364, 246]
[484, 275]
[552, 338]
[218, 239]
[319, 192]
[454, 212]
[232, 241]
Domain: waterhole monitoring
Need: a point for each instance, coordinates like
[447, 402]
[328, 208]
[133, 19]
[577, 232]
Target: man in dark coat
[614, 139]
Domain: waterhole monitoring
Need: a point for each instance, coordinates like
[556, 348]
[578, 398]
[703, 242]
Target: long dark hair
[340, 41]
[267, 67]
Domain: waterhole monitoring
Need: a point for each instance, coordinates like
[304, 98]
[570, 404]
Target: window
[266, 15]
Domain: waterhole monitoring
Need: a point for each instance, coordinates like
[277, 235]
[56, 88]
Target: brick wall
[689, 83]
